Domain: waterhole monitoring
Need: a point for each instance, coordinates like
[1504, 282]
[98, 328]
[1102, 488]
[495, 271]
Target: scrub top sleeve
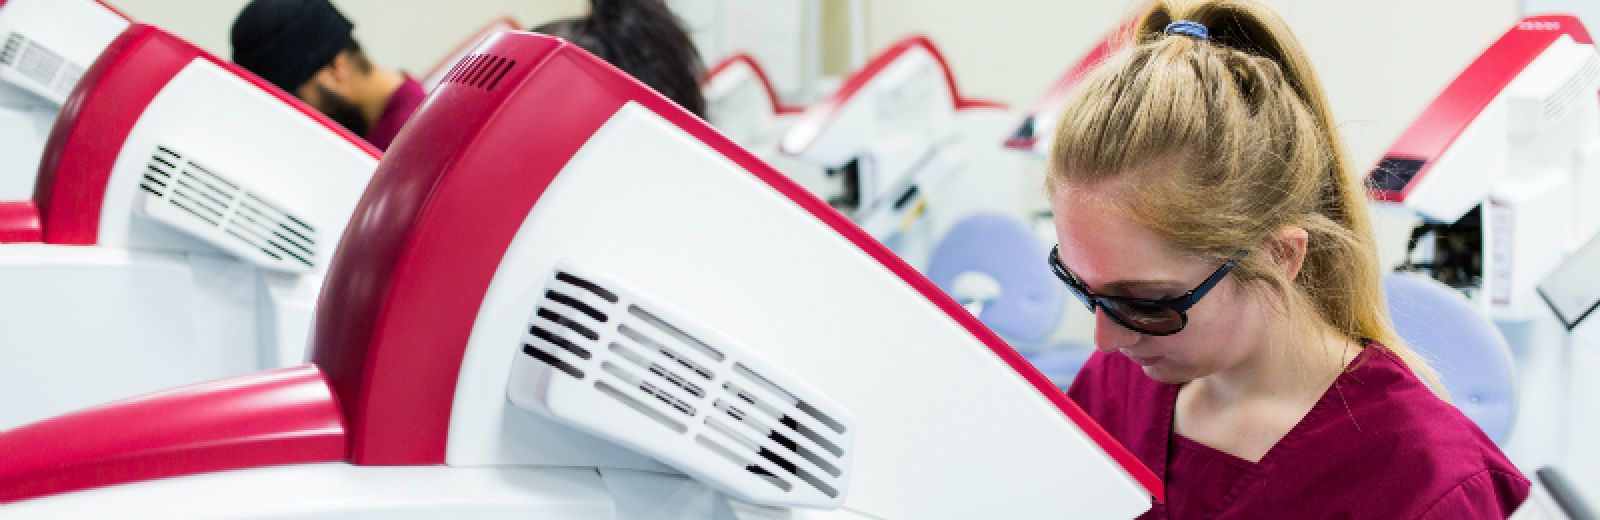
[1486, 494]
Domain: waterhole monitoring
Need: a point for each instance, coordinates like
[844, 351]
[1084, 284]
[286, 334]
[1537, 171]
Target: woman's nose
[1109, 336]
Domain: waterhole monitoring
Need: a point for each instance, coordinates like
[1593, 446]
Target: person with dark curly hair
[645, 40]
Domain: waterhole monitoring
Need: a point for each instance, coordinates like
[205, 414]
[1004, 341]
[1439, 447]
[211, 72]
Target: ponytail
[1246, 110]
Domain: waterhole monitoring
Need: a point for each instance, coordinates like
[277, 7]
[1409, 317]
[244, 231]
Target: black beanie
[288, 41]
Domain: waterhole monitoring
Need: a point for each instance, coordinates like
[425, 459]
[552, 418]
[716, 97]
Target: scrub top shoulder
[1377, 444]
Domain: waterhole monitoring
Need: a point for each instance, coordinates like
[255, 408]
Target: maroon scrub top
[1378, 444]
[402, 103]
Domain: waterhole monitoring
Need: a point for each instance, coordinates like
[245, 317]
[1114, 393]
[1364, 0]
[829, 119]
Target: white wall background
[1588, 11]
[1381, 61]
[412, 35]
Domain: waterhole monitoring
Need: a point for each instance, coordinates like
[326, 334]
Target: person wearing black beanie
[645, 40]
[306, 48]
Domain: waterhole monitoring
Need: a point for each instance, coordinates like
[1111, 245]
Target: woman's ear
[1289, 250]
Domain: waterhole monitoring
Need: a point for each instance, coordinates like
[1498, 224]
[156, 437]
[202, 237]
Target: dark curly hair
[645, 40]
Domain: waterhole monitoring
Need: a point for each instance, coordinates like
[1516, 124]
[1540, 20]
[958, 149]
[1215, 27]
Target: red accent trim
[393, 359]
[778, 107]
[80, 156]
[284, 416]
[108, 7]
[821, 114]
[1053, 100]
[1464, 99]
[99, 115]
[19, 222]
[464, 46]
[404, 291]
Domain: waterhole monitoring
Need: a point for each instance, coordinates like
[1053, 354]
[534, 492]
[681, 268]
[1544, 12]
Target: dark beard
[341, 111]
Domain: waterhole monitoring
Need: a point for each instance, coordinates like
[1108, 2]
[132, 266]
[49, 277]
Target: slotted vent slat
[682, 360]
[557, 340]
[9, 51]
[483, 71]
[545, 357]
[804, 446]
[1579, 87]
[728, 454]
[574, 325]
[760, 466]
[679, 392]
[643, 408]
[455, 68]
[636, 382]
[472, 69]
[804, 427]
[207, 203]
[484, 65]
[40, 63]
[647, 363]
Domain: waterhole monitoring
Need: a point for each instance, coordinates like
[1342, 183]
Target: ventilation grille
[480, 70]
[209, 205]
[40, 64]
[1578, 88]
[600, 357]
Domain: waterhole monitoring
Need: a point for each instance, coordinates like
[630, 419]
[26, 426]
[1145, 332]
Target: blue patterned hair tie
[1188, 28]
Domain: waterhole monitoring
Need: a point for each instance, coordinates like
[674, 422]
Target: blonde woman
[1208, 217]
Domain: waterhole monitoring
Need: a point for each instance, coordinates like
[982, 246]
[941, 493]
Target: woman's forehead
[1102, 244]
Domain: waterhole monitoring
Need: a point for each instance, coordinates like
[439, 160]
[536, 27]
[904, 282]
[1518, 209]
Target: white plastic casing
[1530, 161]
[220, 306]
[602, 357]
[336, 491]
[894, 122]
[84, 325]
[903, 129]
[738, 105]
[45, 46]
[937, 413]
[264, 147]
[909, 100]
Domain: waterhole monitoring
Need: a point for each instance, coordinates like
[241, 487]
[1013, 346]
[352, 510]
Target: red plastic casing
[778, 107]
[413, 266]
[445, 205]
[285, 416]
[1465, 98]
[820, 115]
[99, 116]
[19, 220]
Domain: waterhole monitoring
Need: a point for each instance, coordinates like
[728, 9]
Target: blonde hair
[1246, 121]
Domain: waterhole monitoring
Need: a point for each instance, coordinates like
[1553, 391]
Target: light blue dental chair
[995, 267]
[1462, 345]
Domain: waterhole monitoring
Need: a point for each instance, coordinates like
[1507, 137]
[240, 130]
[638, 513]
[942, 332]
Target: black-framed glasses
[1148, 316]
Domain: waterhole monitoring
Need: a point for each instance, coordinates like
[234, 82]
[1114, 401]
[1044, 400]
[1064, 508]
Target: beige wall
[1379, 65]
[1381, 61]
[409, 34]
